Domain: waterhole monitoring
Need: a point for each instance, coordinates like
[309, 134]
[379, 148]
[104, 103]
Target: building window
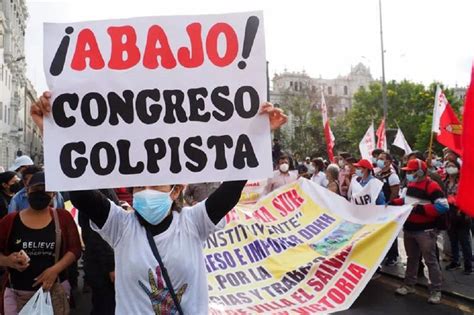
[346, 91]
[296, 86]
[313, 89]
[8, 116]
[361, 87]
[329, 90]
[291, 83]
[1, 111]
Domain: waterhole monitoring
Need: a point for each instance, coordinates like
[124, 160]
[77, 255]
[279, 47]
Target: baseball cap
[37, 179]
[414, 165]
[20, 161]
[365, 164]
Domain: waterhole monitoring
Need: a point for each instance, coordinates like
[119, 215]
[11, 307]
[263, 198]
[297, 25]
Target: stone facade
[338, 92]
[17, 131]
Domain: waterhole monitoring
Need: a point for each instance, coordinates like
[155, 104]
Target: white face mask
[284, 167]
[451, 170]
[341, 163]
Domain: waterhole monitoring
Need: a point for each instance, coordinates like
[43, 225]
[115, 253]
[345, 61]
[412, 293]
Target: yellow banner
[300, 250]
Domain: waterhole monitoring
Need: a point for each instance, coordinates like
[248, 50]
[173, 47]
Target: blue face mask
[152, 205]
[380, 163]
[411, 178]
[359, 173]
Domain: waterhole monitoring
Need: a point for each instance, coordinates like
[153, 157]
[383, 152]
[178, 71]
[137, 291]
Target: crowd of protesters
[424, 179]
[31, 215]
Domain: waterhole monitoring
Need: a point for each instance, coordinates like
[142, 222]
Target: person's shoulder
[20, 194]
[8, 219]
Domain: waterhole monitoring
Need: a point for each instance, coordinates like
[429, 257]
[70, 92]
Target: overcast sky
[424, 40]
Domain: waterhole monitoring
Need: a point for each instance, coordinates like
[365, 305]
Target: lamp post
[384, 84]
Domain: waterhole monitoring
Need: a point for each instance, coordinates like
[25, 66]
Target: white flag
[367, 144]
[401, 142]
[439, 107]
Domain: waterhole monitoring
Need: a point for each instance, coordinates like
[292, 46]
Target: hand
[47, 278]
[160, 296]
[18, 262]
[41, 108]
[276, 115]
[112, 276]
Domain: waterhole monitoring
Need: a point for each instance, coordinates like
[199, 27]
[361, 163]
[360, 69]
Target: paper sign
[156, 100]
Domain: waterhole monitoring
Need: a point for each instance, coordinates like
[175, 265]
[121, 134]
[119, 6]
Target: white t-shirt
[320, 179]
[393, 180]
[139, 285]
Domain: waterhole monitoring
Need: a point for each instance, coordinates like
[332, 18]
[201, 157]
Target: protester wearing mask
[282, 176]
[391, 190]
[332, 175]
[460, 223]
[20, 199]
[319, 177]
[420, 230]
[33, 231]
[375, 155]
[10, 185]
[364, 173]
[141, 237]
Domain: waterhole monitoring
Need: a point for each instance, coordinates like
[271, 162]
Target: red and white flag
[381, 138]
[465, 197]
[330, 139]
[446, 125]
[367, 144]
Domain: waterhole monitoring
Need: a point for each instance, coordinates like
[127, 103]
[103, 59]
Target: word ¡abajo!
[125, 53]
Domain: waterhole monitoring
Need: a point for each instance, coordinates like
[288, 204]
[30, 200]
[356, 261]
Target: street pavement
[377, 298]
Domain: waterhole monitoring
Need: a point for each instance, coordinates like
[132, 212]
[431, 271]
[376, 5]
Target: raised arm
[93, 203]
[224, 199]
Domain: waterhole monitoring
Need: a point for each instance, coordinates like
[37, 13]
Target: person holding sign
[153, 232]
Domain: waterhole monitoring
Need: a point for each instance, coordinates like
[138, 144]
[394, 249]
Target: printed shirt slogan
[156, 100]
[289, 254]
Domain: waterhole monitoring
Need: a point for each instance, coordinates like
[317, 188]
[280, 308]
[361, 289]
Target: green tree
[410, 106]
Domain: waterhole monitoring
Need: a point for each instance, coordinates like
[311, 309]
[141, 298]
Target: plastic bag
[39, 304]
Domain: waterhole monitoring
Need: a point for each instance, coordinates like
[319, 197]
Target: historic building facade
[338, 92]
[18, 135]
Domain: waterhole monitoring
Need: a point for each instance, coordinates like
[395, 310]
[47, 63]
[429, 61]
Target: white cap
[308, 158]
[20, 161]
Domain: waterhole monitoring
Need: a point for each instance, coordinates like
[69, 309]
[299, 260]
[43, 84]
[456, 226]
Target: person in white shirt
[153, 230]
[319, 177]
[309, 165]
[282, 176]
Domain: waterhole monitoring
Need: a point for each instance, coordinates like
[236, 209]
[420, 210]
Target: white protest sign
[156, 100]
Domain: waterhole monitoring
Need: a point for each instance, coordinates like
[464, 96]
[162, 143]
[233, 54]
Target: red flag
[465, 197]
[381, 139]
[327, 129]
[450, 130]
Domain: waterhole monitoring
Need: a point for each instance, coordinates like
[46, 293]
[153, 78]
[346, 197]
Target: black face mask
[39, 200]
[15, 187]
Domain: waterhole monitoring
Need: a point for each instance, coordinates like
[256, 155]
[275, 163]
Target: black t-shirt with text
[39, 245]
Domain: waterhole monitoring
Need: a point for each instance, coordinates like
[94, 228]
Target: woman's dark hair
[319, 163]
[30, 170]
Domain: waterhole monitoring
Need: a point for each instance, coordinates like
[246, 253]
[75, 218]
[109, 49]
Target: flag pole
[430, 149]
